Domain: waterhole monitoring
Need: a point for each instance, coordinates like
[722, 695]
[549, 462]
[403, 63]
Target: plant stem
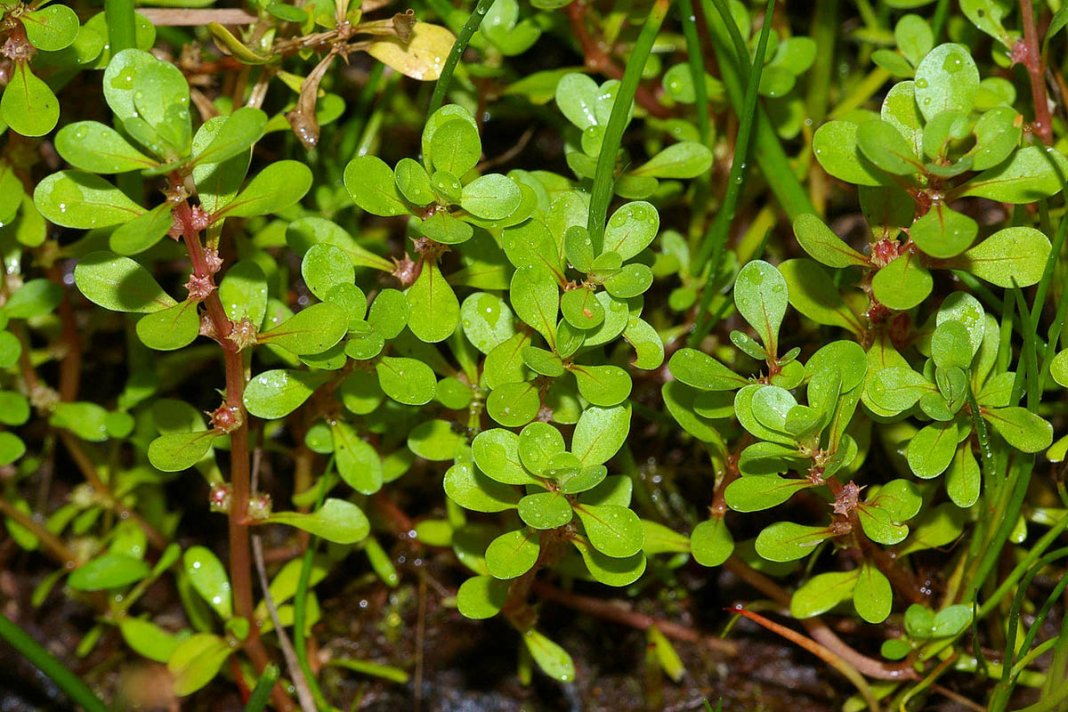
[240, 475]
[1029, 54]
[457, 51]
[604, 178]
[56, 671]
[122, 33]
[55, 546]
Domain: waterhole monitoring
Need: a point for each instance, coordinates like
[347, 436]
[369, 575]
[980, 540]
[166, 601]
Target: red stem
[1028, 52]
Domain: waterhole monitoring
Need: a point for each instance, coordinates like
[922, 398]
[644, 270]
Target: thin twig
[1028, 53]
[304, 696]
[176, 17]
[623, 614]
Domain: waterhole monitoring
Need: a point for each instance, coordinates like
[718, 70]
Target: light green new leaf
[604, 386]
[119, 284]
[209, 579]
[514, 404]
[108, 571]
[372, 186]
[83, 201]
[243, 292]
[835, 146]
[545, 510]
[631, 229]
[550, 657]
[496, 452]
[943, 232]
[481, 597]
[903, 283]
[755, 493]
[536, 300]
[97, 148]
[470, 489]
[487, 321]
[142, 232]
[786, 541]
[196, 661]
[822, 592]
[697, 369]
[337, 521]
[237, 134]
[490, 197]
[931, 450]
[813, 293]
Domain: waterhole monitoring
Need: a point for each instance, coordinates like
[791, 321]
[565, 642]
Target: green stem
[300, 599]
[768, 150]
[122, 33]
[462, 40]
[604, 177]
[56, 671]
[713, 246]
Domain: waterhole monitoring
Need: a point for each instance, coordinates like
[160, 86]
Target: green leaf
[218, 183]
[873, 596]
[903, 283]
[1020, 428]
[613, 530]
[1031, 174]
[487, 321]
[822, 593]
[545, 510]
[599, 433]
[174, 452]
[413, 182]
[36, 297]
[631, 229]
[997, 136]
[86, 420]
[514, 404]
[687, 159]
[536, 299]
[209, 579]
[324, 267]
[1012, 255]
[513, 553]
[196, 661]
[577, 95]
[10, 349]
[913, 37]
[835, 146]
[310, 331]
[931, 450]
[711, 542]
[28, 105]
[697, 369]
[434, 311]
[823, 245]
[946, 80]
[472, 490]
[481, 597]
[243, 292]
[277, 393]
[51, 28]
[963, 479]
[171, 328]
[943, 232]
[496, 452]
[97, 148]
[604, 386]
[786, 541]
[882, 144]
[357, 461]
[277, 187]
[537, 445]
[610, 571]
[142, 232]
[406, 380]
[235, 135]
[897, 389]
[108, 571]
[754, 493]
[1058, 368]
[550, 657]
[83, 201]
[148, 639]
[373, 187]
[761, 296]
[490, 197]
[813, 293]
[581, 308]
[337, 521]
[119, 284]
